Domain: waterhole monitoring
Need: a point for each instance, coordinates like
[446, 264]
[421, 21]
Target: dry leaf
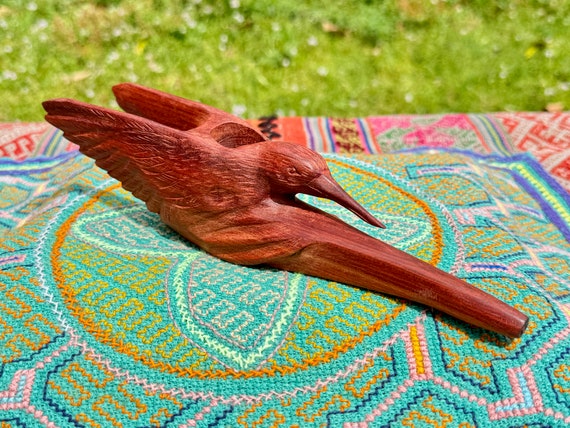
[78, 76]
[329, 27]
[5, 11]
[557, 107]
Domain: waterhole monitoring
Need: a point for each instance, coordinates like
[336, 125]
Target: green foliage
[314, 57]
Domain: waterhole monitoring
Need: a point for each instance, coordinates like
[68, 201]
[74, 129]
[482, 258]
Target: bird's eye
[292, 171]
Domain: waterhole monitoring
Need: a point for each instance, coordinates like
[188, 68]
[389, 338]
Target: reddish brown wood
[222, 185]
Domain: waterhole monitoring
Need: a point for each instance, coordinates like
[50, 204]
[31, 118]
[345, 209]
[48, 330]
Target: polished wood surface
[222, 185]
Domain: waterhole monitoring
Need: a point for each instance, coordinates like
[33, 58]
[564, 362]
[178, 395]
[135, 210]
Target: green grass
[257, 57]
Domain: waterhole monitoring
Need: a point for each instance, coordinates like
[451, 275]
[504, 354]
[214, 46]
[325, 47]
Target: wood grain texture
[221, 184]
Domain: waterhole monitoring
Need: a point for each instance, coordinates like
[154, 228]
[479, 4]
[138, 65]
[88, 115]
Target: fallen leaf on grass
[5, 11]
[555, 107]
[78, 76]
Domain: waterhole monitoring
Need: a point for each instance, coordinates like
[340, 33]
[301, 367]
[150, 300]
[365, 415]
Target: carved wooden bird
[222, 185]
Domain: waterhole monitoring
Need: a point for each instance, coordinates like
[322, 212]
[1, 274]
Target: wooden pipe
[223, 186]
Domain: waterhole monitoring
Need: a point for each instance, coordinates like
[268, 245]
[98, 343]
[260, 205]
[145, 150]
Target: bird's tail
[374, 265]
[185, 115]
[160, 107]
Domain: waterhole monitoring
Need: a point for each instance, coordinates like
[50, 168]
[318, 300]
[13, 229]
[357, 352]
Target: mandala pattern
[108, 318]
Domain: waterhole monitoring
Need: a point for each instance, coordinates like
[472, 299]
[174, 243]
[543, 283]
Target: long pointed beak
[324, 186]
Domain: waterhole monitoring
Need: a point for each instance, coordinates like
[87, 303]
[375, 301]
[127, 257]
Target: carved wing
[150, 160]
[185, 115]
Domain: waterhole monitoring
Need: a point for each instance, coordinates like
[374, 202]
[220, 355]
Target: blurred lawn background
[318, 57]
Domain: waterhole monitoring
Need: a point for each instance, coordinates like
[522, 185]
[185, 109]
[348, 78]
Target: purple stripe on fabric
[550, 212]
[364, 137]
[307, 125]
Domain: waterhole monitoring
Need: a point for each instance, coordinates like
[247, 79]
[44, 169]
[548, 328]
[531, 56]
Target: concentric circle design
[137, 292]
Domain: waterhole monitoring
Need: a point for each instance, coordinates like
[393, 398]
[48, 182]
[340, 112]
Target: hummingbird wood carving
[222, 185]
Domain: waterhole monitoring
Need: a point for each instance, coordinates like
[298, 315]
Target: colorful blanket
[108, 318]
[545, 135]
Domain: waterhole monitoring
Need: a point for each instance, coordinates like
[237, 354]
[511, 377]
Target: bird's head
[292, 168]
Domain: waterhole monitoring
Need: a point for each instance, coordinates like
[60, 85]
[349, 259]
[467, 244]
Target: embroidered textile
[108, 318]
[545, 135]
